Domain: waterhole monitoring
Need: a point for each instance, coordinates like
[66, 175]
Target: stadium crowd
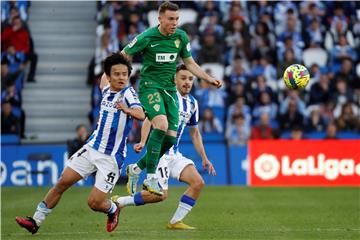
[17, 51]
[253, 43]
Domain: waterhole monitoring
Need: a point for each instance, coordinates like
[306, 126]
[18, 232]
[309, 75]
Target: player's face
[169, 21]
[184, 81]
[118, 77]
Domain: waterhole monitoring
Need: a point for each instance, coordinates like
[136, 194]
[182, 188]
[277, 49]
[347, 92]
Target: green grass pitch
[220, 213]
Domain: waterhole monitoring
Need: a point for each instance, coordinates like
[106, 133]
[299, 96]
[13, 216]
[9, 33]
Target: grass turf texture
[220, 213]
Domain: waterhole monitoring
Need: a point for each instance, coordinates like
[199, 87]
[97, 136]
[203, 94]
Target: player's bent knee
[94, 204]
[198, 184]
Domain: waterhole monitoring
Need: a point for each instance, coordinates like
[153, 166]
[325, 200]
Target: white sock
[181, 212]
[126, 201]
[41, 212]
[136, 169]
[150, 175]
[112, 208]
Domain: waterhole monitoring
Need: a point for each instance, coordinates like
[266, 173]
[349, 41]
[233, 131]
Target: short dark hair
[114, 59]
[168, 6]
[181, 67]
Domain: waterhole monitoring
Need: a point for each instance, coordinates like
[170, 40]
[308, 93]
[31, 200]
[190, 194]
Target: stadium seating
[217, 69]
[315, 55]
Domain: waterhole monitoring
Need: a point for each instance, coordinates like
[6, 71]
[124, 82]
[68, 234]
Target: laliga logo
[266, 167]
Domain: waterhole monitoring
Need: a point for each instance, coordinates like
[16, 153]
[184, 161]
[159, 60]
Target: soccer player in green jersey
[161, 46]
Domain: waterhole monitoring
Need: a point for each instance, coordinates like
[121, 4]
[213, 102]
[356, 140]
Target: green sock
[167, 143]
[153, 150]
[142, 162]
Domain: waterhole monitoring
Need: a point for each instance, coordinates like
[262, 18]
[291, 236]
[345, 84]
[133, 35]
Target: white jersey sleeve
[131, 98]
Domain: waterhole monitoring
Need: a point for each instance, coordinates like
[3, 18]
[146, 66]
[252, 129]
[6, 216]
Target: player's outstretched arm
[195, 69]
[145, 130]
[196, 138]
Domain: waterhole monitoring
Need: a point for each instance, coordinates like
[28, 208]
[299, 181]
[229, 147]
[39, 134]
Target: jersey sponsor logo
[177, 43]
[132, 43]
[166, 57]
[154, 45]
[109, 106]
[188, 47]
[156, 107]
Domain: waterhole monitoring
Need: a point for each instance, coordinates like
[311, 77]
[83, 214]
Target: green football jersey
[160, 55]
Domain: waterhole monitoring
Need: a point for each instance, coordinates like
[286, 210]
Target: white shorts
[171, 166]
[88, 160]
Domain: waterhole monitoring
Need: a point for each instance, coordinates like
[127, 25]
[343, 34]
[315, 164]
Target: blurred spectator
[314, 36]
[347, 72]
[263, 41]
[292, 31]
[239, 107]
[238, 41]
[81, 137]
[209, 123]
[10, 124]
[288, 44]
[265, 106]
[8, 78]
[311, 10]
[342, 92]
[211, 51]
[348, 120]
[296, 133]
[315, 123]
[261, 87]
[291, 117]
[210, 24]
[293, 97]
[118, 26]
[343, 50]
[238, 73]
[331, 131]
[285, 61]
[320, 91]
[263, 129]
[15, 59]
[12, 96]
[283, 9]
[327, 111]
[237, 132]
[18, 36]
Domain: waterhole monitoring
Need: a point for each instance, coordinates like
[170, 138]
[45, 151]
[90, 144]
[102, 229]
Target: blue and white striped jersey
[188, 116]
[114, 125]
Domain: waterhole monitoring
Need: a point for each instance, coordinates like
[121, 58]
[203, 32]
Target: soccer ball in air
[296, 76]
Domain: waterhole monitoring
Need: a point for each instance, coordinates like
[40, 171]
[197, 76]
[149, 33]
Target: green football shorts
[161, 102]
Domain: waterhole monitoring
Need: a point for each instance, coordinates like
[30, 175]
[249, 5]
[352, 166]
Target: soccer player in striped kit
[105, 150]
[173, 163]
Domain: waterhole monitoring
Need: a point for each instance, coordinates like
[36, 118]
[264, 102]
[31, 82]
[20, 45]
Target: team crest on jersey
[177, 43]
[157, 107]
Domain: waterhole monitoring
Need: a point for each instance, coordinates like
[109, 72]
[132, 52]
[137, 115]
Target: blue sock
[138, 199]
[188, 200]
